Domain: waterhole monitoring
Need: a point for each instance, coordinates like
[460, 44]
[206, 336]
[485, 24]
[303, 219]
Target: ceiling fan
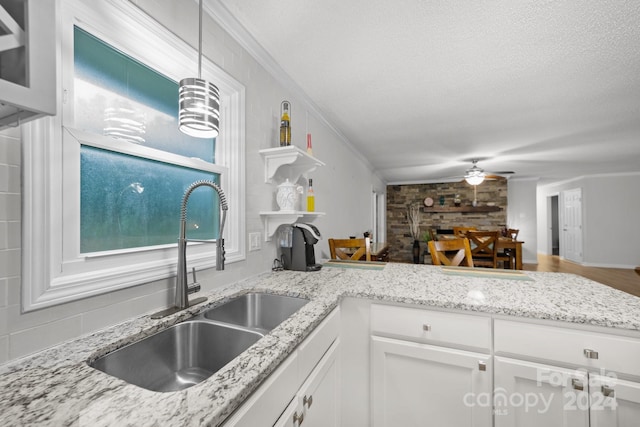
[475, 175]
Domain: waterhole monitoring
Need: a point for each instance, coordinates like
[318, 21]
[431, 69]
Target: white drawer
[317, 343]
[460, 330]
[569, 346]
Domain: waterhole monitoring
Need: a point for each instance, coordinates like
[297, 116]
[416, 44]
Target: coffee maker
[296, 247]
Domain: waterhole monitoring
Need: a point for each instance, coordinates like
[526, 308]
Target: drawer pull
[482, 365]
[298, 418]
[577, 384]
[426, 327]
[608, 391]
[590, 354]
[307, 401]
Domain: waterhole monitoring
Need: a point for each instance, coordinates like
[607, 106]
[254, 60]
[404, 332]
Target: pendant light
[199, 114]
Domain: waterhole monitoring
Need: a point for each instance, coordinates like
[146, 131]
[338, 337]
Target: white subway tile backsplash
[14, 235]
[21, 321]
[4, 349]
[13, 290]
[116, 313]
[9, 207]
[10, 149]
[9, 178]
[4, 178]
[4, 238]
[10, 262]
[4, 321]
[4, 292]
[49, 334]
[13, 179]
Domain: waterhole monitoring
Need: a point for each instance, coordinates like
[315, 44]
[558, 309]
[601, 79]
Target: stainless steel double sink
[188, 353]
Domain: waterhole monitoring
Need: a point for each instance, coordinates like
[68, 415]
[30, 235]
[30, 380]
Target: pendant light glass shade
[199, 100]
[474, 179]
[474, 175]
[199, 114]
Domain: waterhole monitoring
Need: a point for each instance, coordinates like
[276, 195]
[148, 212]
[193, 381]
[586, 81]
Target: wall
[522, 214]
[610, 206]
[21, 334]
[399, 197]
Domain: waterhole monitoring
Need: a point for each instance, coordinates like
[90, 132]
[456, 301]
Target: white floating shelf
[288, 162]
[274, 219]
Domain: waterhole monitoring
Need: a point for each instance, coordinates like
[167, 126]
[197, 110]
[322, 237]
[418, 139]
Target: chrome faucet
[183, 289]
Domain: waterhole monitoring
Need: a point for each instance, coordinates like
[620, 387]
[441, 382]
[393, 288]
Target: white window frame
[53, 270]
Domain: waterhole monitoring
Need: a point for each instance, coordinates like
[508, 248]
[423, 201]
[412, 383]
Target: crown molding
[228, 22]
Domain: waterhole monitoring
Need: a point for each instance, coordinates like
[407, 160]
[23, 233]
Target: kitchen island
[57, 387]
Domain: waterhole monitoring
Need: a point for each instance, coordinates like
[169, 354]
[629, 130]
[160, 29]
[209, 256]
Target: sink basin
[256, 310]
[178, 357]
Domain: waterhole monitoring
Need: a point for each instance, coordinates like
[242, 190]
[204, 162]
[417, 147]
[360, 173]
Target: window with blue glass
[127, 199]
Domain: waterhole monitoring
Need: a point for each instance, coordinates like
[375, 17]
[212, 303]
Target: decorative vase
[287, 196]
[416, 252]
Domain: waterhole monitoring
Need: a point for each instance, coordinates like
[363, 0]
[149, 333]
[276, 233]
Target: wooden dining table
[512, 244]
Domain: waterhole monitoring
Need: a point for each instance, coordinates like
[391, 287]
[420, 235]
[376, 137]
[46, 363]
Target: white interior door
[571, 233]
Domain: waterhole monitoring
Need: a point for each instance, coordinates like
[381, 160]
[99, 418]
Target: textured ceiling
[545, 88]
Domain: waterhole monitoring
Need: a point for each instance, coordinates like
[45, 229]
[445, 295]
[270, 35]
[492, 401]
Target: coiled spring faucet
[183, 289]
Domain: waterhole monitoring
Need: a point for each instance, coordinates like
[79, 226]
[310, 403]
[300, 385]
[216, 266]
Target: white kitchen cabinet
[614, 402]
[530, 394]
[417, 384]
[317, 403]
[533, 394]
[585, 391]
[27, 53]
[291, 417]
[429, 367]
[310, 371]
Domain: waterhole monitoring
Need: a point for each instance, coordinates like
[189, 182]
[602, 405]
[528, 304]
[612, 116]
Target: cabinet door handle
[426, 327]
[577, 384]
[307, 401]
[482, 365]
[590, 354]
[298, 418]
[608, 391]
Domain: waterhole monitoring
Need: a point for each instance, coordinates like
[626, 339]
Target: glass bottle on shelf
[285, 124]
[311, 199]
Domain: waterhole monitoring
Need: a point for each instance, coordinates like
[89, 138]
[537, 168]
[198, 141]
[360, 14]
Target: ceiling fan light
[199, 103]
[474, 179]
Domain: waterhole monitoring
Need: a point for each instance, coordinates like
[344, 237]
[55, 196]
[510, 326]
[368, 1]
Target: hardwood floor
[618, 278]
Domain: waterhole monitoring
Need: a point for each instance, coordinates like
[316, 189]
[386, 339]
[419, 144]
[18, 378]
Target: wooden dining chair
[350, 249]
[460, 231]
[484, 247]
[442, 252]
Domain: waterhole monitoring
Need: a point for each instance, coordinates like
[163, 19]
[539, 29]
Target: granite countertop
[56, 386]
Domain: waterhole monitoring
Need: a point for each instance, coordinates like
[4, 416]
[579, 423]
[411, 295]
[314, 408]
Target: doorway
[555, 225]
